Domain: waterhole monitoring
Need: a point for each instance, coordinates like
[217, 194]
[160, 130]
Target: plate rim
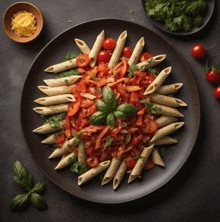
[176, 170]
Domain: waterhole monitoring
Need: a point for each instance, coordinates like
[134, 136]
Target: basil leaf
[74, 167]
[18, 202]
[98, 118]
[38, 188]
[127, 109]
[70, 56]
[38, 201]
[82, 168]
[71, 72]
[22, 177]
[119, 115]
[111, 120]
[108, 142]
[102, 106]
[109, 98]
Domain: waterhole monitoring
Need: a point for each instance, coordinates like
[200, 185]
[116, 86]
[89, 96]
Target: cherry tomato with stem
[198, 51]
[145, 56]
[127, 52]
[109, 44]
[217, 92]
[104, 56]
[212, 74]
[82, 60]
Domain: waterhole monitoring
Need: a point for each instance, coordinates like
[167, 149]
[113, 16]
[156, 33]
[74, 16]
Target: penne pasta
[47, 128]
[165, 120]
[151, 62]
[167, 111]
[54, 91]
[82, 153]
[62, 66]
[82, 46]
[53, 100]
[166, 140]
[119, 174]
[96, 48]
[64, 81]
[136, 52]
[136, 171]
[167, 100]
[118, 50]
[64, 162]
[49, 110]
[156, 158]
[166, 130]
[60, 151]
[110, 173]
[158, 81]
[169, 89]
[93, 172]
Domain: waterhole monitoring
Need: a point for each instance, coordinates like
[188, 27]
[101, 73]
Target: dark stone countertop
[192, 195]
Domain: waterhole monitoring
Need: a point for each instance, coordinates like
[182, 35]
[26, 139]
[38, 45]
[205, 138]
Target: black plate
[54, 53]
[208, 15]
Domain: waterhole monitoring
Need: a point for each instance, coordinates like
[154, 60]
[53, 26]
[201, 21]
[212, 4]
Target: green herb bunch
[177, 15]
[54, 119]
[76, 167]
[108, 110]
[25, 180]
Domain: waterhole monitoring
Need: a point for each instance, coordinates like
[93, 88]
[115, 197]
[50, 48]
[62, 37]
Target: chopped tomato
[130, 162]
[133, 88]
[74, 107]
[82, 60]
[90, 151]
[121, 68]
[103, 67]
[60, 139]
[101, 83]
[133, 98]
[139, 121]
[68, 119]
[86, 103]
[113, 84]
[145, 56]
[81, 87]
[141, 112]
[139, 74]
[92, 161]
[151, 126]
[149, 165]
[88, 111]
[98, 141]
[136, 139]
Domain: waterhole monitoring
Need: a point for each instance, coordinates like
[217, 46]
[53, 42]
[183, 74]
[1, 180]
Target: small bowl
[13, 9]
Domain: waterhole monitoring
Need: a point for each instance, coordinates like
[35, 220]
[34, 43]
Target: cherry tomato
[212, 76]
[145, 56]
[217, 92]
[151, 126]
[127, 52]
[149, 165]
[109, 44]
[104, 56]
[92, 161]
[198, 51]
[82, 60]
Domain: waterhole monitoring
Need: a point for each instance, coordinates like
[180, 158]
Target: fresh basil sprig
[25, 180]
[108, 109]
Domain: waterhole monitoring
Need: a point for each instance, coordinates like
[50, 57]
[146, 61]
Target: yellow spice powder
[24, 23]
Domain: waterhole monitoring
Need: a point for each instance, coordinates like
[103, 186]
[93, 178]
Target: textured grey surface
[192, 195]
